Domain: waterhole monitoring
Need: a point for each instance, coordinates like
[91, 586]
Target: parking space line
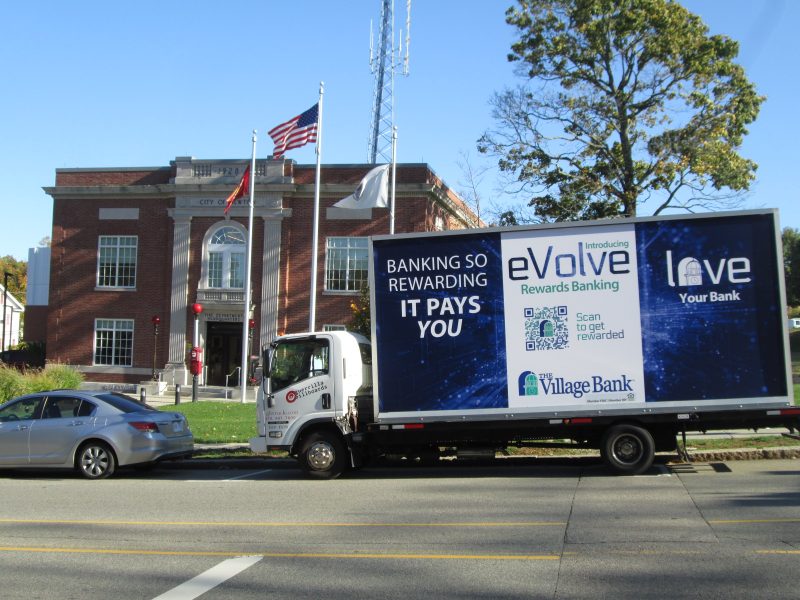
[209, 579]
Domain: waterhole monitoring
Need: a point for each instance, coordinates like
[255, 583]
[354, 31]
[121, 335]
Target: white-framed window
[346, 264]
[116, 261]
[334, 327]
[225, 250]
[113, 342]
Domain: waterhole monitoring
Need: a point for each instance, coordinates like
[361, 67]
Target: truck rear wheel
[323, 455]
[628, 449]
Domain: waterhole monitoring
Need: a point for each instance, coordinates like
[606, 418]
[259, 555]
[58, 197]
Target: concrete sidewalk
[204, 394]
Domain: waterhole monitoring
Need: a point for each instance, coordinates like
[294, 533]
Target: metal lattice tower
[383, 65]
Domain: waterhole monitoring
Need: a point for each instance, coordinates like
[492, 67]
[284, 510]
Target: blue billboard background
[440, 372]
[711, 349]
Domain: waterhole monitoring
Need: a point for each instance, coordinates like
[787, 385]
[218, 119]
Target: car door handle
[21, 427]
[75, 423]
[326, 401]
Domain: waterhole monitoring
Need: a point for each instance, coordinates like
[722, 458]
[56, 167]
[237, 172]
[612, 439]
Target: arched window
[225, 249]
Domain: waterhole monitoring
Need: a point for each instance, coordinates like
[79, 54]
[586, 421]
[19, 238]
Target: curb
[782, 452]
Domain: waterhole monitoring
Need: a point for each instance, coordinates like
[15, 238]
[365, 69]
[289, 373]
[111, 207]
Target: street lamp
[156, 321]
[197, 363]
[251, 325]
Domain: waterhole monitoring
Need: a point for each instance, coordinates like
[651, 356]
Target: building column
[179, 298]
[270, 273]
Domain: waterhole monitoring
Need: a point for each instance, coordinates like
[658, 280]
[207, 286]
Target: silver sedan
[91, 432]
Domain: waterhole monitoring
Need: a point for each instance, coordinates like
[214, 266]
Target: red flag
[241, 189]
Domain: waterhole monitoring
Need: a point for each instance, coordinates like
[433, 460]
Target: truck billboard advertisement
[619, 315]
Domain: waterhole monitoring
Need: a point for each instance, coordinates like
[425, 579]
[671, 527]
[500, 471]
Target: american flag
[296, 132]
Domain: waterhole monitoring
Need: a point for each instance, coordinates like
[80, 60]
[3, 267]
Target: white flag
[372, 192]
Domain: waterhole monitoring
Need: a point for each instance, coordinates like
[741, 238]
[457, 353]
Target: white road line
[248, 475]
[209, 579]
[241, 478]
[662, 472]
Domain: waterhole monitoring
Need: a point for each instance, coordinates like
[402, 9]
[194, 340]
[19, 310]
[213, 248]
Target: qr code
[546, 328]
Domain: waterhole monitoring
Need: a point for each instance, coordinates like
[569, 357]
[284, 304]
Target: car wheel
[96, 461]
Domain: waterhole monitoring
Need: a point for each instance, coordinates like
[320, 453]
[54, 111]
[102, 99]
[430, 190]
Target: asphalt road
[524, 529]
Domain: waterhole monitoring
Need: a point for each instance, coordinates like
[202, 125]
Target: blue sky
[111, 84]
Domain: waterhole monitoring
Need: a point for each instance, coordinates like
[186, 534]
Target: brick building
[131, 244]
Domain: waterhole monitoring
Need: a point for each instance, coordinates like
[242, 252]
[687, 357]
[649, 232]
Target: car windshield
[125, 403]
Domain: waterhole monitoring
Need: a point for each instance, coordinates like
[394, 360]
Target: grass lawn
[218, 422]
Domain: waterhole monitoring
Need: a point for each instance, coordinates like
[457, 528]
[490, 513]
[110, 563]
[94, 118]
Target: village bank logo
[529, 384]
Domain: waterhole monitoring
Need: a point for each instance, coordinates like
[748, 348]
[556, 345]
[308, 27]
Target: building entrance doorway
[223, 352]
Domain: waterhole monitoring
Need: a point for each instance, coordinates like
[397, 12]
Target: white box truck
[614, 335]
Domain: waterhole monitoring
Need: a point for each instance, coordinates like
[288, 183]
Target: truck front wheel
[323, 455]
[628, 449]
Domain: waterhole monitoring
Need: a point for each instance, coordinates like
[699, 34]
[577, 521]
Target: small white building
[10, 323]
[794, 323]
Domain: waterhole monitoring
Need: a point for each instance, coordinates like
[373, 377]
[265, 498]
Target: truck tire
[628, 449]
[323, 455]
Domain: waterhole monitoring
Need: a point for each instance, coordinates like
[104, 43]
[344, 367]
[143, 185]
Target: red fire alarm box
[196, 361]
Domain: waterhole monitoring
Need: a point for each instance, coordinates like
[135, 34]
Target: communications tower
[383, 62]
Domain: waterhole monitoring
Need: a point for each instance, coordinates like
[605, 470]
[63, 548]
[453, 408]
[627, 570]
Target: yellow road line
[746, 521]
[280, 524]
[528, 557]
[333, 555]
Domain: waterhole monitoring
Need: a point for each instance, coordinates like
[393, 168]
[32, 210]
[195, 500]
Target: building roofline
[110, 169]
[11, 299]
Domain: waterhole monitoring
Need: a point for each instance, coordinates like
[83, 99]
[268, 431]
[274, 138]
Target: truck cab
[307, 403]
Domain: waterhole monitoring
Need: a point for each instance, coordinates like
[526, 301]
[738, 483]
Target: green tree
[626, 102]
[791, 265]
[360, 321]
[18, 279]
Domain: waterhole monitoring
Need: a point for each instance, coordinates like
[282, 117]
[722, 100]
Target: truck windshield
[293, 361]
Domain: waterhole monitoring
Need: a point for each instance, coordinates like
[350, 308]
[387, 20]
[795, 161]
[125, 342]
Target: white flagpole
[247, 281]
[394, 177]
[312, 309]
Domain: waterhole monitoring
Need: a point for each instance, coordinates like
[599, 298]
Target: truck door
[301, 384]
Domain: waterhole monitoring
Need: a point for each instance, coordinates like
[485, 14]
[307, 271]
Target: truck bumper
[258, 444]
